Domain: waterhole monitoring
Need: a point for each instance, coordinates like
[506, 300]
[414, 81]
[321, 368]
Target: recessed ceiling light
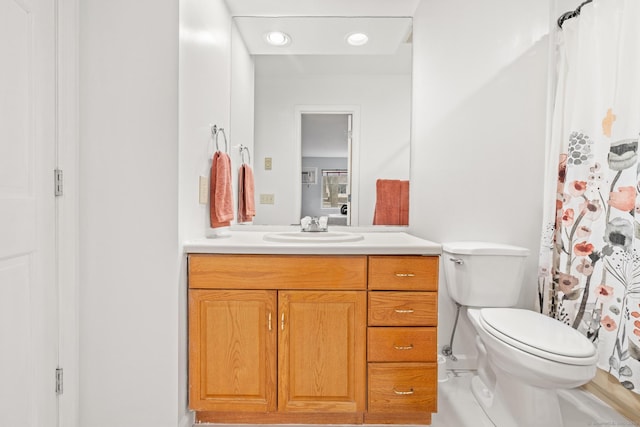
[277, 38]
[357, 39]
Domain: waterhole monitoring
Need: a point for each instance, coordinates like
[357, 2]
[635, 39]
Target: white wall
[242, 96]
[479, 110]
[205, 96]
[128, 243]
[383, 135]
[205, 82]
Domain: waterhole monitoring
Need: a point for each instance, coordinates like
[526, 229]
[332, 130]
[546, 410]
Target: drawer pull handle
[403, 347]
[403, 393]
[405, 275]
[404, 311]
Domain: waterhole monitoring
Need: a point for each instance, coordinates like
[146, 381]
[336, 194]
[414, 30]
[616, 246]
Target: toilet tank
[483, 274]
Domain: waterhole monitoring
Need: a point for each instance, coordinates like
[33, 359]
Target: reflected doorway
[326, 161]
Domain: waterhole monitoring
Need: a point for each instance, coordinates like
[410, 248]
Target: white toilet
[524, 357]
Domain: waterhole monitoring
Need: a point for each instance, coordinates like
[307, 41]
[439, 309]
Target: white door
[28, 288]
[350, 167]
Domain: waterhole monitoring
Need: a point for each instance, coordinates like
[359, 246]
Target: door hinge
[58, 182]
[59, 381]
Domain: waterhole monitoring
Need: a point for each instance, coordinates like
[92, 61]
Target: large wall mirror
[324, 119]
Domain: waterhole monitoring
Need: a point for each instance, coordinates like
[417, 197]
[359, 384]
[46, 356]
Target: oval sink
[312, 237]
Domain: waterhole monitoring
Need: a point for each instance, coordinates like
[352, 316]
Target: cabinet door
[232, 354]
[322, 351]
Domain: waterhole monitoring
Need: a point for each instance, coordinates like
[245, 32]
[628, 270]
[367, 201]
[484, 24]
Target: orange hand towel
[392, 202]
[246, 194]
[220, 195]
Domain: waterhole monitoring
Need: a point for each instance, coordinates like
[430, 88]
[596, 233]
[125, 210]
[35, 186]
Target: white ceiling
[324, 35]
[322, 7]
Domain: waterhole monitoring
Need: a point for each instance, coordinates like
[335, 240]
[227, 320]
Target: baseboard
[608, 389]
[186, 420]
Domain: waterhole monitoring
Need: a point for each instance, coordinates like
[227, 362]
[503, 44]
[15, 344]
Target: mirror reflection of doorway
[326, 154]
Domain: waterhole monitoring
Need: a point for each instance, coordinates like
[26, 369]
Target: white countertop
[373, 243]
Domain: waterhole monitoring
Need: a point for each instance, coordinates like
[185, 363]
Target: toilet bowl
[540, 350]
[524, 357]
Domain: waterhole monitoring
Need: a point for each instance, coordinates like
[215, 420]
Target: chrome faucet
[314, 223]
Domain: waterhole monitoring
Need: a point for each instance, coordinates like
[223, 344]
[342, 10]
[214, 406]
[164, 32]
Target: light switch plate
[267, 199]
[268, 163]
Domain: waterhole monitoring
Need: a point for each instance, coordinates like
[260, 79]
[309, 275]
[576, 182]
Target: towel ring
[215, 130]
[244, 149]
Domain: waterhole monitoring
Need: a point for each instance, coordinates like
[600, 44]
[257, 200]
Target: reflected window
[334, 188]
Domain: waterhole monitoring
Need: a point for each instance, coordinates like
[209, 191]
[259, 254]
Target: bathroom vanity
[309, 332]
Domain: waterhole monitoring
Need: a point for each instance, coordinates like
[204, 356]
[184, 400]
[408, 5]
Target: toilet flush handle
[457, 261]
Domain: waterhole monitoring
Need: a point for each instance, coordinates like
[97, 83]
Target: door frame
[67, 216]
[354, 154]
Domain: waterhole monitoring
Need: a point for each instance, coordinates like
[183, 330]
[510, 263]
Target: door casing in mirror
[353, 159]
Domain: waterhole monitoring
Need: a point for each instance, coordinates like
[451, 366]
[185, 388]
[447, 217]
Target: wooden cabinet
[322, 351]
[232, 350]
[312, 339]
[402, 389]
[402, 344]
[277, 272]
[402, 339]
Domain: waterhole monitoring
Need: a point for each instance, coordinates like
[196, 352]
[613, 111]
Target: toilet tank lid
[483, 248]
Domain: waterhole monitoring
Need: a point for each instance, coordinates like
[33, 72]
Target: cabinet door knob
[402, 393]
[282, 322]
[269, 320]
[405, 275]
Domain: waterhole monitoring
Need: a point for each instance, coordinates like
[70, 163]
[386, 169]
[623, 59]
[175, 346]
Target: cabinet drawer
[403, 273]
[402, 387]
[277, 272]
[402, 344]
[403, 308]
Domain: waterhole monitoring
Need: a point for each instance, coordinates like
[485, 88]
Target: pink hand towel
[246, 194]
[392, 202]
[220, 195]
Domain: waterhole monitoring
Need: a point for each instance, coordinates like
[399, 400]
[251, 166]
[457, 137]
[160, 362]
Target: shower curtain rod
[571, 14]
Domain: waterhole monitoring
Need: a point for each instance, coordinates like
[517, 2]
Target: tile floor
[458, 408]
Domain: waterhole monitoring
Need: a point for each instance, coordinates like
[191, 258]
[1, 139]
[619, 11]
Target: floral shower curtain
[590, 253]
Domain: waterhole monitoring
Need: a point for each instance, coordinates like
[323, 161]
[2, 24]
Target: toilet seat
[538, 334]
